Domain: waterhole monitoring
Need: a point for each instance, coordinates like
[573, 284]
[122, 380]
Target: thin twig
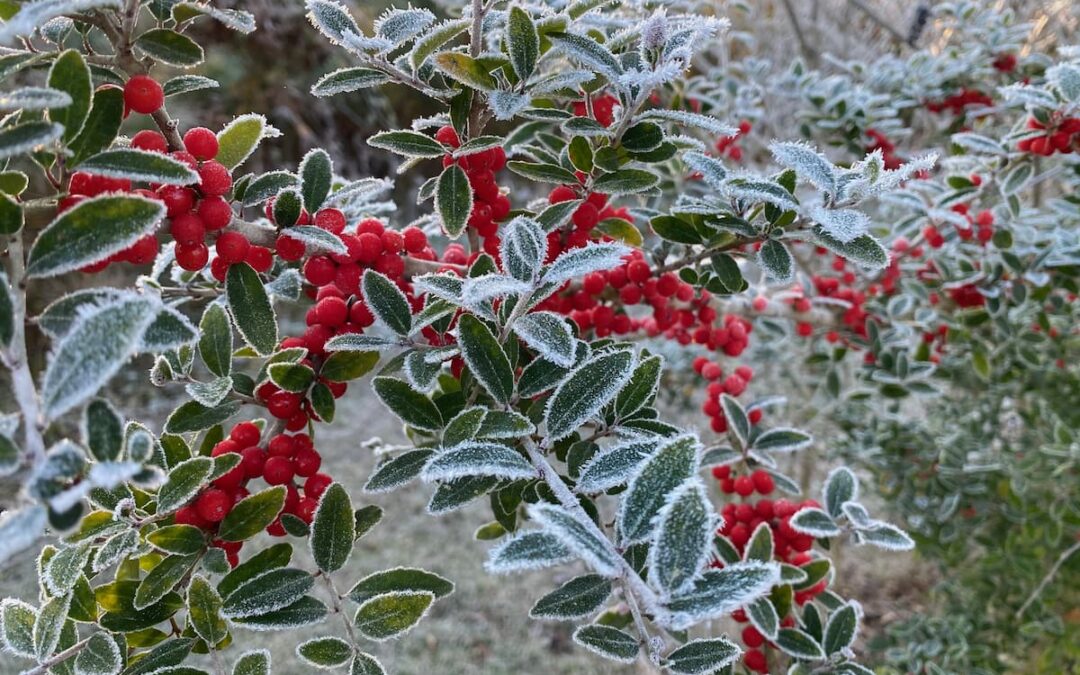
[1048, 578]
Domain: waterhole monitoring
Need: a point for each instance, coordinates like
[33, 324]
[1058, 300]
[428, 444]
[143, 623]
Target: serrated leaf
[807, 162]
[91, 231]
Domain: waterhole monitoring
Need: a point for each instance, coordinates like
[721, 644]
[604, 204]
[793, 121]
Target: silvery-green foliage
[718, 592]
[682, 544]
[583, 539]
[527, 550]
[474, 458]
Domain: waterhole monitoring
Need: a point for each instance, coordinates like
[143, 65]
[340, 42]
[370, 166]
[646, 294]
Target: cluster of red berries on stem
[956, 103]
[289, 460]
[490, 205]
[83, 186]
[727, 145]
[732, 385]
[1061, 136]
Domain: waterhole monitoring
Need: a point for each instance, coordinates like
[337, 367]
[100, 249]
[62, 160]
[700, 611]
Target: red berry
[307, 463]
[638, 271]
[744, 486]
[283, 404]
[448, 136]
[201, 143]
[232, 246]
[213, 505]
[369, 247]
[143, 251]
[254, 459]
[149, 140]
[755, 660]
[316, 485]
[187, 229]
[751, 637]
[177, 199]
[281, 446]
[278, 470]
[586, 216]
[143, 94]
[763, 482]
[215, 212]
[188, 515]
[331, 220]
[305, 510]
[214, 179]
[259, 258]
[414, 238]
[192, 258]
[289, 249]
[332, 312]
[246, 434]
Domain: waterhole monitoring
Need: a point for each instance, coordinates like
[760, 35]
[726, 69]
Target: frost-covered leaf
[411, 406]
[665, 471]
[387, 302]
[160, 580]
[578, 262]
[255, 662]
[703, 656]
[251, 309]
[34, 98]
[316, 176]
[775, 258]
[522, 42]
[333, 529]
[587, 389]
[814, 522]
[240, 137]
[754, 190]
[183, 84]
[738, 422]
[799, 644]
[782, 439]
[609, 642]
[840, 486]
[183, 482]
[549, 335]
[391, 614]
[194, 416]
[588, 52]
[102, 430]
[100, 656]
[626, 182]
[886, 536]
[170, 47]
[844, 225]
[267, 592]
[641, 390]
[49, 625]
[712, 170]
[408, 144]
[252, 514]
[91, 231]
[400, 579]
[762, 614]
[436, 37]
[583, 539]
[465, 69]
[32, 15]
[1066, 79]
[303, 612]
[99, 343]
[978, 143]
[683, 541]
[864, 251]
[529, 550]
[204, 609]
[807, 162]
[523, 248]
[64, 569]
[453, 200]
[841, 630]
[485, 358]
[215, 340]
[332, 19]
[398, 471]
[325, 652]
[345, 80]
[719, 592]
[577, 598]
[139, 165]
[478, 458]
[17, 620]
[614, 467]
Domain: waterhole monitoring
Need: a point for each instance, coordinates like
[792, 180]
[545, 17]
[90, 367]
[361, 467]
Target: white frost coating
[844, 225]
[886, 536]
[654, 33]
[807, 162]
[568, 80]
[578, 262]
[549, 335]
[566, 411]
[34, 98]
[20, 529]
[316, 239]
[138, 165]
[611, 656]
[720, 592]
[814, 522]
[755, 189]
[711, 169]
[686, 519]
[33, 15]
[378, 598]
[476, 458]
[581, 539]
[9, 608]
[399, 25]
[529, 550]
[477, 290]
[506, 104]
[523, 248]
[49, 134]
[613, 467]
[332, 19]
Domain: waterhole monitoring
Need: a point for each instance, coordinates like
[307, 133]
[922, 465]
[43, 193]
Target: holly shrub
[608, 242]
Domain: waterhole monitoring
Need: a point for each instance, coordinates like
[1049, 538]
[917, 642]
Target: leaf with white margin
[720, 592]
[682, 545]
[807, 162]
[703, 656]
[478, 458]
[583, 539]
[664, 471]
[840, 486]
[578, 262]
[523, 248]
[528, 550]
[614, 467]
[814, 522]
[585, 391]
[549, 335]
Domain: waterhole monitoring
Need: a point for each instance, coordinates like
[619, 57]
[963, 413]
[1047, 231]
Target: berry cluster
[888, 149]
[732, 385]
[1005, 63]
[83, 186]
[591, 212]
[284, 460]
[490, 205]
[603, 109]
[1062, 136]
[956, 103]
[726, 145]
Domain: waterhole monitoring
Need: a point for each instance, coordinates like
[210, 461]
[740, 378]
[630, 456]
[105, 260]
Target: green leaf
[522, 42]
[814, 522]
[683, 543]
[183, 84]
[139, 165]
[581, 537]
[641, 390]
[253, 663]
[178, 539]
[466, 70]
[91, 231]
[453, 200]
[661, 474]
[387, 302]
[239, 139]
[841, 629]
[542, 173]
[345, 366]
[365, 518]
[588, 52]
[621, 230]
[49, 624]
[398, 471]
[485, 358]
[760, 546]
[99, 343]
[549, 335]
[626, 181]
[408, 144]
[719, 592]
[103, 430]
[250, 307]
[70, 74]
[458, 493]
[194, 416]
[17, 619]
[577, 598]
[273, 557]
[391, 614]
[316, 176]
[365, 664]
[11, 215]
[215, 340]
[675, 230]
[252, 515]
[160, 581]
[101, 125]
[100, 656]
[776, 260]
[478, 458]
[840, 486]
[345, 80]
[585, 391]
[170, 47]
[325, 652]
[204, 611]
[303, 612]
[434, 39]
[168, 653]
[400, 579]
[183, 482]
[762, 614]
[799, 644]
[268, 592]
[609, 642]
[26, 137]
[333, 529]
[411, 406]
[703, 656]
